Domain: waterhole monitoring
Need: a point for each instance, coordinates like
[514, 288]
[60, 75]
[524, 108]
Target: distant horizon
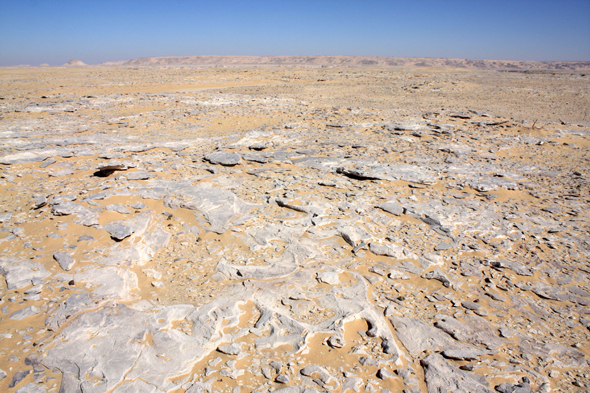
[36, 32]
[294, 56]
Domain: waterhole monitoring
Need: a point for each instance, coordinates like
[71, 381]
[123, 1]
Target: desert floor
[294, 229]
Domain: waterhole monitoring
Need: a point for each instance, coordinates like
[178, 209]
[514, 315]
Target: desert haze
[355, 61]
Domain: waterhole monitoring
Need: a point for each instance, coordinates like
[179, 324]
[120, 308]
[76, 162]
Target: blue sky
[94, 31]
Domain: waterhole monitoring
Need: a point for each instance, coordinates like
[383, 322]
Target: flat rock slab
[392, 207]
[225, 159]
[418, 337]
[25, 313]
[119, 231]
[441, 376]
[86, 216]
[65, 260]
[219, 207]
[21, 273]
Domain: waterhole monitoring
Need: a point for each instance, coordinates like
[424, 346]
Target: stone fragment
[86, 216]
[438, 275]
[225, 159]
[392, 207]
[321, 372]
[441, 376]
[230, 349]
[65, 260]
[18, 376]
[384, 373]
[119, 231]
[328, 278]
[25, 313]
[31, 388]
[21, 273]
[140, 175]
[390, 250]
[471, 305]
[40, 202]
[475, 330]
[418, 337]
[137, 205]
[117, 208]
[463, 354]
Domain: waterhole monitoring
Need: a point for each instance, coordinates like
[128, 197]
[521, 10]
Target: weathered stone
[230, 349]
[65, 260]
[225, 159]
[441, 376]
[25, 313]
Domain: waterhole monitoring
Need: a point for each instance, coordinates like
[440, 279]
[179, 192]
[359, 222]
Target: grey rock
[5, 217]
[65, 260]
[74, 305]
[141, 175]
[117, 208]
[390, 250]
[296, 389]
[32, 388]
[86, 216]
[441, 376]
[418, 337]
[392, 207]
[471, 305]
[523, 387]
[230, 349]
[352, 383]
[260, 146]
[282, 378]
[25, 157]
[328, 278]
[336, 341]
[276, 365]
[219, 207]
[21, 273]
[384, 373]
[475, 330]
[464, 354]
[25, 313]
[2, 375]
[255, 157]
[225, 159]
[137, 205]
[520, 270]
[86, 238]
[139, 386]
[110, 282]
[18, 376]
[119, 231]
[62, 172]
[47, 162]
[115, 166]
[438, 275]
[40, 202]
[322, 373]
[409, 173]
[442, 246]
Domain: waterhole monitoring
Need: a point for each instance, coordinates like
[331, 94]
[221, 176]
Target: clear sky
[94, 31]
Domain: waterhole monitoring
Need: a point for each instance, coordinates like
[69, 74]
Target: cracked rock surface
[293, 229]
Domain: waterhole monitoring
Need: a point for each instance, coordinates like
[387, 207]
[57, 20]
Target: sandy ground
[500, 161]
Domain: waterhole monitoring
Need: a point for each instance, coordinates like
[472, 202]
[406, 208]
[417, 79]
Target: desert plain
[294, 228]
